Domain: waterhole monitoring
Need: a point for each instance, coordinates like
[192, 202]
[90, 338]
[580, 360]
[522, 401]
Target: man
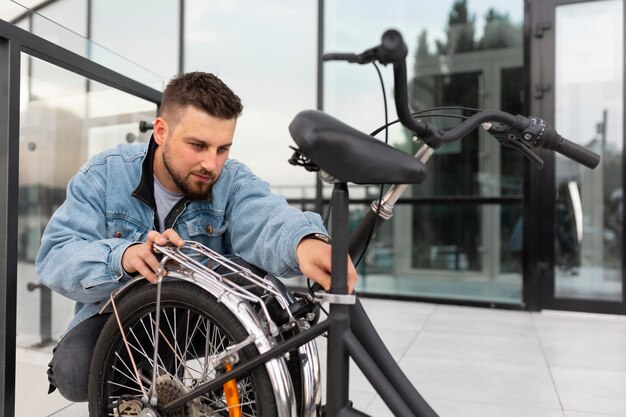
[182, 186]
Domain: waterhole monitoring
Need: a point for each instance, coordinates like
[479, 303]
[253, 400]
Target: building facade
[487, 228]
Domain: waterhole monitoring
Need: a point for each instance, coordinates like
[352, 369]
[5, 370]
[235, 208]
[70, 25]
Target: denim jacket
[110, 205]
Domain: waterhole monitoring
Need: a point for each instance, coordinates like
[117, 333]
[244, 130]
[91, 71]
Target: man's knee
[69, 369]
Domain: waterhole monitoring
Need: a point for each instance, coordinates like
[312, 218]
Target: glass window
[445, 252]
[145, 32]
[266, 52]
[60, 19]
[65, 23]
[11, 10]
[461, 53]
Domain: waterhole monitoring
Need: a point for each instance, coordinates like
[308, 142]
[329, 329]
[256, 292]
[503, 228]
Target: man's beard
[192, 189]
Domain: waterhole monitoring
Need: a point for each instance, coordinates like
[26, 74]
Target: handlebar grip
[340, 57]
[578, 153]
[570, 149]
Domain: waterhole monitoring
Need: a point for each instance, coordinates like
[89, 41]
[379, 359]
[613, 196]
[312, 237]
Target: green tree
[499, 31]
[460, 32]
[422, 45]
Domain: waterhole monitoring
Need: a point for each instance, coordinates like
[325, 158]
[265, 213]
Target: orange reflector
[232, 396]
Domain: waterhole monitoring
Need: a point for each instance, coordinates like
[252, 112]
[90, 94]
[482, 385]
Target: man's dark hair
[205, 92]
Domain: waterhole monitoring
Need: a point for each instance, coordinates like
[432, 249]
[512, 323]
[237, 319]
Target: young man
[181, 186]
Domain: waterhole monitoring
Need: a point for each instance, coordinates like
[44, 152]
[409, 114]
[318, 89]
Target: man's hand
[314, 258]
[140, 257]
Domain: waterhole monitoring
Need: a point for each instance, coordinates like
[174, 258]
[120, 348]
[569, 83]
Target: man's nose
[208, 162]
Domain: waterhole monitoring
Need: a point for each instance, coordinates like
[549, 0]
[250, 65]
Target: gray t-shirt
[165, 200]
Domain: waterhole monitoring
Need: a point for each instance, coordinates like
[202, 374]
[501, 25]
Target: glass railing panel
[64, 22]
[62, 124]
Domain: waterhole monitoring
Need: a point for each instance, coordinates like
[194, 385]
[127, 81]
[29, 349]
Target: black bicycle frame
[351, 334]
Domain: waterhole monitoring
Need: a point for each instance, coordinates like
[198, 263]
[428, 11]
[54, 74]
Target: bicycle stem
[395, 191]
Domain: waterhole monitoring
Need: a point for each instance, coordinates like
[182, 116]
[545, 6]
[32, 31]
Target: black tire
[189, 317]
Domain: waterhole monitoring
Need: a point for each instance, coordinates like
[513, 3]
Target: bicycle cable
[370, 235]
[421, 112]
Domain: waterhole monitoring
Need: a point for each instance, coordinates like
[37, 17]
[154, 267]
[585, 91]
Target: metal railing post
[9, 159]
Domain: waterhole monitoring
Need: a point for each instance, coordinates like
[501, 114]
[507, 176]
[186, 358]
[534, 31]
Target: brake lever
[526, 151]
[509, 138]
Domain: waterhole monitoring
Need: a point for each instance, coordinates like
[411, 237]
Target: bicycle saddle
[350, 155]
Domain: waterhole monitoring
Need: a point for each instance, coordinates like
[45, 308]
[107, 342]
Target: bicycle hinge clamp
[346, 299]
[383, 209]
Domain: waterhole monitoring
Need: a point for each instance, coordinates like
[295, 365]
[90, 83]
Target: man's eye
[222, 150]
[197, 145]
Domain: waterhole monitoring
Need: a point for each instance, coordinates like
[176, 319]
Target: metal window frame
[14, 41]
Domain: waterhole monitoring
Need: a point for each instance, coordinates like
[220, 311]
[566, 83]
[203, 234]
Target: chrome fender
[311, 379]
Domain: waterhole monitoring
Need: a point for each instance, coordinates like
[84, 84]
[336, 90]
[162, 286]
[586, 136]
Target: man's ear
[160, 130]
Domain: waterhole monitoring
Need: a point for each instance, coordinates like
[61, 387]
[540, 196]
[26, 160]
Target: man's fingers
[141, 259]
[319, 276]
[148, 258]
[147, 273]
[322, 276]
[172, 236]
[143, 265]
[156, 237]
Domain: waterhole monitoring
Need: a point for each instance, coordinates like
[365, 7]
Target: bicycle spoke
[143, 353]
[119, 323]
[117, 384]
[155, 341]
[177, 353]
[189, 345]
[119, 371]
[187, 342]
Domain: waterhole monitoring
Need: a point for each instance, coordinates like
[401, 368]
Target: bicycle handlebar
[524, 133]
[393, 50]
[519, 132]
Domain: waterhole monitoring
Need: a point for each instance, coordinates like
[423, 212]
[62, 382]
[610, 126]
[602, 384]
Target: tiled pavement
[467, 362]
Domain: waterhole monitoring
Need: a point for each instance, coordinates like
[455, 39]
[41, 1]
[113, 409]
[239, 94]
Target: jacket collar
[145, 189]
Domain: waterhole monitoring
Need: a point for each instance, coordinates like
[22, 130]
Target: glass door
[589, 108]
[586, 88]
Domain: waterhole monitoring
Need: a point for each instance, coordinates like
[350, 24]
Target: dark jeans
[68, 370]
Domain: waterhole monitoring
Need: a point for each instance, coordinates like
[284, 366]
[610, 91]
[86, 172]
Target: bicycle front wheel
[194, 327]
